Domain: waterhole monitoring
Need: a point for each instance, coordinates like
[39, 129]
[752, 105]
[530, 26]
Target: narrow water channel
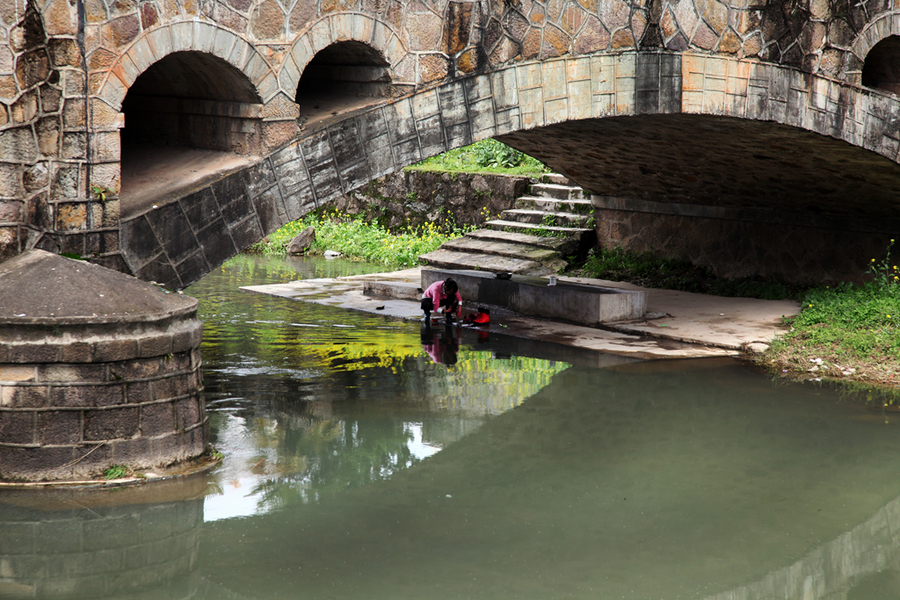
[365, 459]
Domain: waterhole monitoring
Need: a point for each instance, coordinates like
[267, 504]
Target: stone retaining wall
[417, 197]
[800, 249]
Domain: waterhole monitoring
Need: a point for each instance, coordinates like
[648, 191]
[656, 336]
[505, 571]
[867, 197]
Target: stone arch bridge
[756, 137]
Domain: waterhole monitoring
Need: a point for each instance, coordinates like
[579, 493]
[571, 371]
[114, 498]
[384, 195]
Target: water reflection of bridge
[66, 550]
[859, 564]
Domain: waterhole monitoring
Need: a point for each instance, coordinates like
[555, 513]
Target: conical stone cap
[40, 287]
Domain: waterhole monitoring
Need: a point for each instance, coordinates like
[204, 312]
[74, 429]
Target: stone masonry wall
[63, 79]
[45, 134]
[796, 252]
[74, 401]
[414, 198]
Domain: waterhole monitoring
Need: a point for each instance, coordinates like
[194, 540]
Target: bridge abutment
[737, 243]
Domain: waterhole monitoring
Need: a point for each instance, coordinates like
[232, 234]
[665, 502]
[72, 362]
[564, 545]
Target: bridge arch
[737, 117]
[753, 90]
[881, 69]
[874, 33]
[191, 36]
[341, 28]
[192, 99]
[193, 85]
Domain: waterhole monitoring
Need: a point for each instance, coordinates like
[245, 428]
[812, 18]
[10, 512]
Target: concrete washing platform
[675, 325]
[534, 296]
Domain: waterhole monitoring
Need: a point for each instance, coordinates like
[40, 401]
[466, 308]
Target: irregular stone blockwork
[108, 373]
[31, 126]
[52, 91]
[50, 156]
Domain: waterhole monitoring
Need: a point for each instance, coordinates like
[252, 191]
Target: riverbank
[855, 340]
[849, 332]
[679, 324]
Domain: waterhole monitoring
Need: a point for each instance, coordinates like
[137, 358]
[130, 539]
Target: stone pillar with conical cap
[97, 368]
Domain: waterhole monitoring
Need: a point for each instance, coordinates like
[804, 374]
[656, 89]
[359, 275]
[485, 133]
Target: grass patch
[486, 156]
[356, 238]
[116, 472]
[846, 331]
[647, 270]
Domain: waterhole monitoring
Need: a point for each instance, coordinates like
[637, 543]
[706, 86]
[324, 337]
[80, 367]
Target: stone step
[563, 245]
[581, 207]
[557, 178]
[520, 241]
[508, 249]
[578, 233]
[540, 217]
[402, 290]
[558, 191]
[448, 259]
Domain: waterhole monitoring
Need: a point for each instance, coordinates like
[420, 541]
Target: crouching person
[443, 297]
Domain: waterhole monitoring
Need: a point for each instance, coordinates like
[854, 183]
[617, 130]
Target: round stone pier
[96, 369]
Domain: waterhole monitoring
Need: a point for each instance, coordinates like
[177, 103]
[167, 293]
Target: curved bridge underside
[650, 131]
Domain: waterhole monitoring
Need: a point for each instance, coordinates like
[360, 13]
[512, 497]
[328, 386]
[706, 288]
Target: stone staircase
[554, 221]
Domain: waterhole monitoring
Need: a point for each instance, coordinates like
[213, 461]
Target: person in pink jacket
[442, 296]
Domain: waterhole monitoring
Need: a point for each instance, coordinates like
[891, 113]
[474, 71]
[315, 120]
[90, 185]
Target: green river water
[359, 465]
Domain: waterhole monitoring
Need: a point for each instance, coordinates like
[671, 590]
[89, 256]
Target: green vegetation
[647, 270]
[116, 472]
[357, 238]
[100, 192]
[486, 156]
[847, 331]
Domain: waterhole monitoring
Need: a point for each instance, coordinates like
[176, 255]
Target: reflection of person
[442, 296]
[442, 348]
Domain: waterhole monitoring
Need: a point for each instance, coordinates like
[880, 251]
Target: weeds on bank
[356, 238]
[645, 269]
[486, 156]
[116, 472]
[851, 330]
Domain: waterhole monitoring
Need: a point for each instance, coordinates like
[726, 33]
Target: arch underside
[746, 139]
[719, 161]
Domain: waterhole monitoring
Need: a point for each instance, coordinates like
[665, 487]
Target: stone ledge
[747, 214]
